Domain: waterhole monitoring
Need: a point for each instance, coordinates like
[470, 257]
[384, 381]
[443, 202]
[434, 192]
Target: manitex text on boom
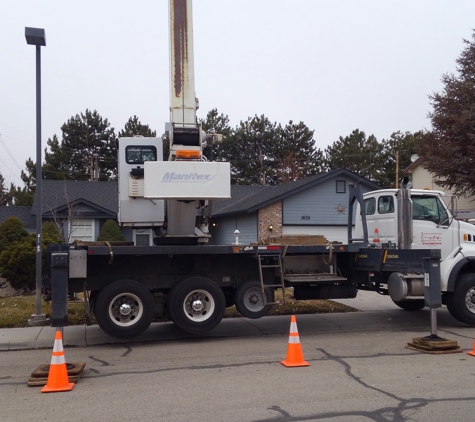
[187, 177]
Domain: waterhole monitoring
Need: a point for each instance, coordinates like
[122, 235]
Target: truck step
[312, 278]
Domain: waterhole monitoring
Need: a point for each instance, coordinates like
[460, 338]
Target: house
[423, 179]
[22, 213]
[78, 208]
[317, 205]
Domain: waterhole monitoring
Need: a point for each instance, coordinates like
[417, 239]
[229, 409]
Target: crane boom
[173, 197]
[185, 132]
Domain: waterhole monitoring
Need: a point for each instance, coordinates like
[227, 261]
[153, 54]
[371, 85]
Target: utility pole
[397, 169]
[96, 168]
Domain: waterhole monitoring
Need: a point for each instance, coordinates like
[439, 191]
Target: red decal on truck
[431, 239]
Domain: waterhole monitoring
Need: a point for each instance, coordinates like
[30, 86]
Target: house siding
[317, 206]
[223, 234]
[421, 179]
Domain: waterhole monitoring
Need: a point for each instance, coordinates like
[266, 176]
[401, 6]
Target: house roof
[246, 199]
[411, 167]
[23, 213]
[56, 194]
[103, 196]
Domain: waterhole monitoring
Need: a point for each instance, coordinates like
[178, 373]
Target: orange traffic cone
[58, 373]
[294, 349]
[376, 240]
[473, 351]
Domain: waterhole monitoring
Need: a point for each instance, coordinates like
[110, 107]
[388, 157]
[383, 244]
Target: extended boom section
[184, 130]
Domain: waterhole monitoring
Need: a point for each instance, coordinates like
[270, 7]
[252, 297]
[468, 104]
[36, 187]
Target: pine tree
[296, 154]
[134, 127]
[86, 151]
[219, 124]
[5, 194]
[359, 154]
[448, 150]
[403, 146]
[250, 149]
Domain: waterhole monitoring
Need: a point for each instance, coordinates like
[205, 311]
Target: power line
[3, 162]
[17, 130]
[9, 153]
[21, 140]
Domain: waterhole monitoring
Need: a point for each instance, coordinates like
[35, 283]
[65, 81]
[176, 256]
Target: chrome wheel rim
[470, 300]
[199, 305]
[125, 309]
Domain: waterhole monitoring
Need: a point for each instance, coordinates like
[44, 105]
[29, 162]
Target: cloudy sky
[336, 65]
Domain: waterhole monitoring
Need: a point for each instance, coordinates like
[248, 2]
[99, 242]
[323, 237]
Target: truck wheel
[196, 305]
[249, 300]
[461, 303]
[124, 309]
[411, 304]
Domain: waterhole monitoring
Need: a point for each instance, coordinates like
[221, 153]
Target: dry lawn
[15, 311]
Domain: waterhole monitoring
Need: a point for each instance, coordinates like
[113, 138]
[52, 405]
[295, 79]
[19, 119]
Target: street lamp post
[36, 36]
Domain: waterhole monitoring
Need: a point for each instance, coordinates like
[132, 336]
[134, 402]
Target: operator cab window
[429, 209]
[139, 154]
[385, 205]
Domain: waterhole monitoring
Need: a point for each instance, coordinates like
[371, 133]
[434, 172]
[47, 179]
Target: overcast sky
[335, 65]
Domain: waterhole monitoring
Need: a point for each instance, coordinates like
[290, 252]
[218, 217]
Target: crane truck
[192, 282]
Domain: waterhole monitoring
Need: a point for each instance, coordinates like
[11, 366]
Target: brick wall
[270, 216]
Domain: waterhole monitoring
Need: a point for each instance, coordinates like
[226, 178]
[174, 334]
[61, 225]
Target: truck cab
[433, 227]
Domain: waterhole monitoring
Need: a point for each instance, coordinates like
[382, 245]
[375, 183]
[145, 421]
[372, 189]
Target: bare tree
[63, 221]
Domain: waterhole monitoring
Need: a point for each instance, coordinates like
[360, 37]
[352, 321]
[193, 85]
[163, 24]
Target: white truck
[434, 226]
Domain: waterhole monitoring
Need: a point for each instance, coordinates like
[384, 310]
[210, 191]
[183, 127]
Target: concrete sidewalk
[378, 314]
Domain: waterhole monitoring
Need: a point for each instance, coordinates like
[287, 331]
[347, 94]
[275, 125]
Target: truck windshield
[429, 208]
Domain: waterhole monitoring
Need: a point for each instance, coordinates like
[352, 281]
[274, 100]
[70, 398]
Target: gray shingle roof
[23, 213]
[241, 197]
[245, 199]
[58, 193]
[104, 196]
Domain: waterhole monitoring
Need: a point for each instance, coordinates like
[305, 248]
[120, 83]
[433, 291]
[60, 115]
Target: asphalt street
[359, 370]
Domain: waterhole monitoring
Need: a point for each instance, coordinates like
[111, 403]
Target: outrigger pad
[434, 346]
[39, 377]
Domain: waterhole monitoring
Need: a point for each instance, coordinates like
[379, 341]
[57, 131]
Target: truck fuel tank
[401, 286]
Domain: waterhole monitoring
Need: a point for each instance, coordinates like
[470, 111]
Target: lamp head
[35, 36]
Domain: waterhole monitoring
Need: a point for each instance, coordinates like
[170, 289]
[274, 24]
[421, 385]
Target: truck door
[432, 228]
[381, 215]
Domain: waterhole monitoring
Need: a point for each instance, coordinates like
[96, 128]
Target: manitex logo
[172, 177]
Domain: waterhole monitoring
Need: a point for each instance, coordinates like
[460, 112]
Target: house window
[340, 186]
[82, 230]
[143, 237]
